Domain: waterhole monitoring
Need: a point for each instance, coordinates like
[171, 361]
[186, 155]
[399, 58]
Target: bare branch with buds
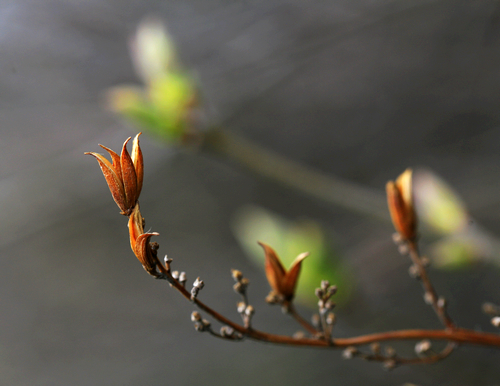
[124, 177]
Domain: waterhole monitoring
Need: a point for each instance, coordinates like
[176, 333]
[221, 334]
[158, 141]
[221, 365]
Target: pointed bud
[129, 176]
[145, 254]
[275, 272]
[124, 175]
[400, 201]
[112, 175]
[135, 226]
[282, 282]
[138, 162]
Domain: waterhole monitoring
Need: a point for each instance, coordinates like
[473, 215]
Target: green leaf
[438, 205]
[164, 105]
[455, 252]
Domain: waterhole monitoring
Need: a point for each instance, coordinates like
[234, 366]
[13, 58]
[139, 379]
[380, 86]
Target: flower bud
[400, 202]
[283, 282]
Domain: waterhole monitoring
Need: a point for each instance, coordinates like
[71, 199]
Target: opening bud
[400, 202]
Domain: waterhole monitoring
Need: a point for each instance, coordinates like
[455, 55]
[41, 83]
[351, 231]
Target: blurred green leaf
[289, 239]
[153, 50]
[437, 204]
[463, 241]
[164, 105]
[455, 252]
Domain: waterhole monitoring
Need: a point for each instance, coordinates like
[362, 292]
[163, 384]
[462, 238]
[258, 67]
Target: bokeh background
[358, 89]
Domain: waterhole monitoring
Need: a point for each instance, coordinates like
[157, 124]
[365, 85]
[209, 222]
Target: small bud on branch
[400, 201]
[124, 177]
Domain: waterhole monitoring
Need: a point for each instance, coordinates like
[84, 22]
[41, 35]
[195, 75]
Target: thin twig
[304, 323]
[431, 295]
[458, 335]
[397, 361]
[269, 164]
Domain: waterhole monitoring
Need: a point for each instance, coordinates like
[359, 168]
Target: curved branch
[458, 335]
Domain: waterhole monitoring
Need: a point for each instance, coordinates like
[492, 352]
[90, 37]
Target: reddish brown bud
[124, 175]
[400, 201]
[139, 242]
[138, 163]
[281, 281]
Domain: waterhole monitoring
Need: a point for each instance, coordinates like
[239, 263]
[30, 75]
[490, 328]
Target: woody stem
[304, 323]
[325, 326]
[457, 335]
[412, 361]
[430, 293]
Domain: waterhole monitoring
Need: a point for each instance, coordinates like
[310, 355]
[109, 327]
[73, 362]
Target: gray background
[360, 89]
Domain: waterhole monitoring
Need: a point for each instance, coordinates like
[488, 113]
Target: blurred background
[356, 89]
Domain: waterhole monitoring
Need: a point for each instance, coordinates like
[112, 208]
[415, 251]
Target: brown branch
[146, 252]
[304, 323]
[457, 335]
[438, 305]
[393, 361]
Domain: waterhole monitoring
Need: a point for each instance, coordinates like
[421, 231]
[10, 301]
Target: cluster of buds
[414, 270]
[197, 286]
[324, 293]
[390, 361]
[283, 283]
[326, 319]
[400, 202]
[200, 324]
[241, 285]
[181, 277]
[229, 333]
[124, 176]
[246, 311]
[387, 356]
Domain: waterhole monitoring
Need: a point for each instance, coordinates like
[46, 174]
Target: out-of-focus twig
[266, 163]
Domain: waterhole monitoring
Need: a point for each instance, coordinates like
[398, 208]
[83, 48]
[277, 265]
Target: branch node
[496, 321]
[423, 347]
[390, 352]
[390, 364]
[241, 307]
[375, 348]
[331, 319]
[195, 316]
[441, 303]
[273, 298]
[414, 271]
[491, 309]
[197, 286]
[182, 278]
[428, 298]
[299, 335]
[167, 261]
[350, 352]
